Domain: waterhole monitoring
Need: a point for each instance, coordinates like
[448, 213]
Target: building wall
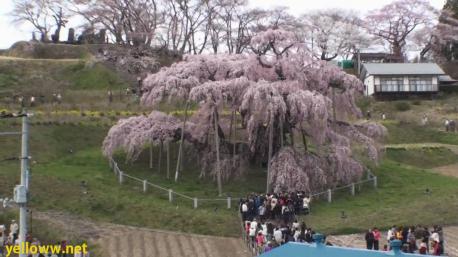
[369, 86]
[371, 82]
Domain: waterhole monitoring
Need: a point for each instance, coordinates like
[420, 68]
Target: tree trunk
[304, 140]
[151, 155]
[180, 150]
[271, 136]
[334, 116]
[218, 167]
[291, 134]
[160, 157]
[397, 50]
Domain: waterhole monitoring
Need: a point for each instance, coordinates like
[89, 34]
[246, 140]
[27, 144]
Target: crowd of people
[282, 206]
[9, 236]
[430, 242]
[32, 100]
[270, 219]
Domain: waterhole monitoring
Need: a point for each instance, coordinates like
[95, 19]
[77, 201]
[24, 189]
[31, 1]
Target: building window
[391, 84]
[421, 84]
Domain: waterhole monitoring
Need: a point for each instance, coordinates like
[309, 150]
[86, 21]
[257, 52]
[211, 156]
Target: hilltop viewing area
[226, 128]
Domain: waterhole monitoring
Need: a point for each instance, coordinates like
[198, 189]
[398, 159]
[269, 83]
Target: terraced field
[126, 241]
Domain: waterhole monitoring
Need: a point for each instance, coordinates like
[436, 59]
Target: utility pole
[21, 191]
[24, 185]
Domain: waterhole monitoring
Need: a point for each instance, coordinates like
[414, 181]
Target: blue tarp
[293, 249]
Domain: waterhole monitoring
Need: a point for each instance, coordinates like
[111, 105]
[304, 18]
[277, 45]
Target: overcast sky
[10, 33]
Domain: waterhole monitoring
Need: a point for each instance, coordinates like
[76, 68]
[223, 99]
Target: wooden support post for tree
[229, 202]
[145, 186]
[151, 155]
[352, 189]
[271, 135]
[233, 136]
[167, 148]
[121, 177]
[329, 195]
[375, 182]
[195, 203]
[218, 164]
[180, 150]
[170, 195]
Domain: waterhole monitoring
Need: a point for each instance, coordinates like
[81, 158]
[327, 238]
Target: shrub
[416, 102]
[402, 106]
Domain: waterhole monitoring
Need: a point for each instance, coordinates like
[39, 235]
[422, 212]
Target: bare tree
[132, 22]
[60, 19]
[240, 24]
[35, 12]
[396, 21]
[333, 32]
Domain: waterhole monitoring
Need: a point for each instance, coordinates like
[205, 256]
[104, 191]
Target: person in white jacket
[278, 236]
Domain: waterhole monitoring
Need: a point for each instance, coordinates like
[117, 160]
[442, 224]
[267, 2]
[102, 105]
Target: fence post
[375, 182]
[195, 203]
[329, 195]
[229, 201]
[352, 189]
[121, 178]
[145, 185]
[170, 195]
[115, 168]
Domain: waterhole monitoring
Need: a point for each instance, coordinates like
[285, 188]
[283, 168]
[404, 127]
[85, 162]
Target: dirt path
[11, 58]
[449, 170]
[127, 241]
[453, 148]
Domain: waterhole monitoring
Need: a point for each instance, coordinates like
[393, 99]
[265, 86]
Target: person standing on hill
[110, 96]
[369, 240]
[244, 211]
[14, 229]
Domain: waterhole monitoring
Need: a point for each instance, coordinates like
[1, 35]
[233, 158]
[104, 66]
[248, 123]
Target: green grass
[96, 76]
[425, 157]
[399, 133]
[35, 77]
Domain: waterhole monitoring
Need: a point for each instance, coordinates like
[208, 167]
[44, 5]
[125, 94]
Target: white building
[385, 79]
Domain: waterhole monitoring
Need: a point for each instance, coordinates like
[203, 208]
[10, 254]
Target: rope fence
[173, 196]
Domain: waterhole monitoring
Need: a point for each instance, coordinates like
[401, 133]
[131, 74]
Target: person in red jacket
[377, 236]
[436, 248]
